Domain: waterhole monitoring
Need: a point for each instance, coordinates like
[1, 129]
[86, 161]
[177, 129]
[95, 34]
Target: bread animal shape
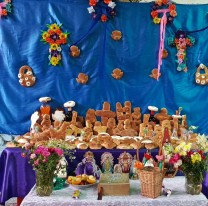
[105, 114]
[117, 74]
[74, 117]
[127, 124]
[155, 74]
[164, 53]
[90, 115]
[82, 78]
[46, 123]
[75, 51]
[75, 129]
[146, 118]
[60, 133]
[163, 115]
[125, 112]
[116, 35]
[136, 115]
[88, 127]
[80, 119]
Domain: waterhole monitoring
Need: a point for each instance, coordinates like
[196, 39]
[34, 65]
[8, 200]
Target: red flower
[104, 18]
[154, 14]
[24, 155]
[164, 2]
[92, 2]
[58, 31]
[4, 12]
[190, 44]
[190, 153]
[180, 168]
[51, 41]
[147, 156]
[176, 41]
[187, 41]
[51, 150]
[48, 39]
[181, 57]
[183, 47]
[51, 32]
[203, 158]
[172, 7]
[63, 41]
[58, 41]
[107, 1]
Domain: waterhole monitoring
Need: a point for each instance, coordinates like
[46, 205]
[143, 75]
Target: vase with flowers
[193, 163]
[45, 160]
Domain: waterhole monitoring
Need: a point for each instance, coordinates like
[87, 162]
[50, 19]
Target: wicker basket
[151, 181]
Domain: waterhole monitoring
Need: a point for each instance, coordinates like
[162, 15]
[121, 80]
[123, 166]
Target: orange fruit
[75, 182]
[79, 176]
[91, 181]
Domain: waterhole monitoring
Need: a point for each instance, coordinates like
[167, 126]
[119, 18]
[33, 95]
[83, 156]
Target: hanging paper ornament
[181, 40]
[55, 37]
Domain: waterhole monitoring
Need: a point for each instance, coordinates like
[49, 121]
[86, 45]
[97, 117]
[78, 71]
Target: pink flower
[172, 161]
[32, 156]
[8, 1]
[45, 160]
[159, 157]
[45, 153]
[59, 151]
[176, 157]
[24, 155]
[51, 150]
[36, 162]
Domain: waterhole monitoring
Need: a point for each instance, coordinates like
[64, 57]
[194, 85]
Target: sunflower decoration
[55, 37]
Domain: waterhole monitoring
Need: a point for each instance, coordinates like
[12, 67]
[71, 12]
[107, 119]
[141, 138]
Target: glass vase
[192, 187]
[44, 183]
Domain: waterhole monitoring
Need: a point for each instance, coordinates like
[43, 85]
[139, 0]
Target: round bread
[118, 142]
[104, 137]
[109, 145]
[124, 146]
[150, 146]
[22, 141]
[78, 142]
[44, 99]
[69, 104]
[95, 145]
[82, 146]
[134, 145]
[19, 137]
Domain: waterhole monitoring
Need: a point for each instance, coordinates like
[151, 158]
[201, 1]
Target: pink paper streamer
[162, 36]
[3, 4]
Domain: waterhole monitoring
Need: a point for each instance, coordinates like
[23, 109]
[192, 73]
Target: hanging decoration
[171, 9]
[105, 13]
[55, 37]
[116, 35]
[75, 51]
[26, 77]
[5, 8]
[181, 40]
[201, 79]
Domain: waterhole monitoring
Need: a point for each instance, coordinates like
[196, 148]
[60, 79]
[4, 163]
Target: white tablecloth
[89, 196]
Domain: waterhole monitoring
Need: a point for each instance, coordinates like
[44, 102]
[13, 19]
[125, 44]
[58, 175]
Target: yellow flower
[45, 35]
[183, 153]
[54, 46]
[187, 147]
[176, 150]
[156, 20]
[54, 61]
[54, 27]
[182, 144]
[63, 36]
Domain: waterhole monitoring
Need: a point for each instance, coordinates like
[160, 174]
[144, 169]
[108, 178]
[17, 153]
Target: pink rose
[51, 150]
[59, 151]
[45, 160]
[24, 155]
[45, 153]
[176, 157]
[32, 156]
[172, 161]
[36, 162]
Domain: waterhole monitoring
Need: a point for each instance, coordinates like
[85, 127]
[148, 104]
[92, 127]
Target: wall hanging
[5, 7]
[55, 37]
[181, 40]
[82, 78]
[75, 51]
[117, 74]
[116, 35]
[201, 79]
[27, 79]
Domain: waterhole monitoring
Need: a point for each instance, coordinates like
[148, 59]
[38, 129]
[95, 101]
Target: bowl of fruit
[81, 181]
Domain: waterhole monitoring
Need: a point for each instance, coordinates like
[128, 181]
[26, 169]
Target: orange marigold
[63, 41]
[181, 57]
[51, 32]
[58, 41]
[4, 12]
[176, 41]
[107, 1]
[104, 18]
[48, 39]
[92, 2]
[172, 7]
[187, 41]
[51, 41]
[164, 2]
[159, 2]
[173, 13]
[58, 31]
[154, 14]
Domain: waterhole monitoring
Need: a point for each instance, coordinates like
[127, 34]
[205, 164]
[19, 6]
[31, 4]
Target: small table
[89, 197]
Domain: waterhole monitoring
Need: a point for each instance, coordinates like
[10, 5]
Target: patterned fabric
[89, 196]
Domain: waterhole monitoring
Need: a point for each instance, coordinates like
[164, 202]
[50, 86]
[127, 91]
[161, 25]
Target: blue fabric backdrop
[136, 54]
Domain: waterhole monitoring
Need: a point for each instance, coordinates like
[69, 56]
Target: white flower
[28, 84]
[33, 78]
[29, 73]
[26, 78]
[197, 81]
[193, 127]
[91, 9]
[112, 4]
[197, 74]
[20, 81]
[59, 49]
[202, 66]
[19, 75]
[202, 82]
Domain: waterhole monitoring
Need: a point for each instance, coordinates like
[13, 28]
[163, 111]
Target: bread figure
[125, 112]
[97, 123]
[129, 132]
[105, 114]
[75, 129]
[75, 51]
[142, 127]
[150, 131]
[46, 123]
[79, 125]
[164, 53]
[100, 129]
[146, 118]
[163, 115]
[184, 122]
[136, 115]
[90, 115]
[111, 125]
[127, 124]
[80, 119]
[74, 118]
[155, 74]
[116, 35]
[120, 125]
[82, 78]
[117, 74]
[88, 127]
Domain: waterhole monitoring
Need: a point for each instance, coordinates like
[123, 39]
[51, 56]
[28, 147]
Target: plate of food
[81, 181]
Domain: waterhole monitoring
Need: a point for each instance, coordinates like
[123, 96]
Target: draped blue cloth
[136, 54]
[17, 177]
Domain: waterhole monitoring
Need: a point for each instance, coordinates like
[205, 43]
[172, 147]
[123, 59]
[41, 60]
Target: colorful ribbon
[3, 4]
[162, 36]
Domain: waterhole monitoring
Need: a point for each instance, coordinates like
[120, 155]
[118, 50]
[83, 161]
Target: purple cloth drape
[17, 176]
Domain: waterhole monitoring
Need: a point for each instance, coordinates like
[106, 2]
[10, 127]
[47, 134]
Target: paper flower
[54, 46]
[54, 61]
[104, 18]
[154, 7]
[92, 2]
[156, 20]
[113, 12]
[94, 16]
[59, 49]
[91, 9]
[172, 7]
[147, 156]
[164, 2]
[170, 19]
[173, 13]
[159, 2]
[159, 157]
[111, 4]
[54, 27]
[154, 14]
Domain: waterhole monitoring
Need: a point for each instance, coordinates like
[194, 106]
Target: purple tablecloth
[17, 177]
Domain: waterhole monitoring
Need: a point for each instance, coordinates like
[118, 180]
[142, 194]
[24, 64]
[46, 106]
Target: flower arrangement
[6, 8]
[55, 37]
[110, 11]
[192, 162]
[181, 41]
[169, 5]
